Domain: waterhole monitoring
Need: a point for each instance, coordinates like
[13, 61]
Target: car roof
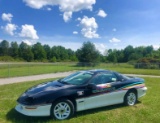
[95, 71]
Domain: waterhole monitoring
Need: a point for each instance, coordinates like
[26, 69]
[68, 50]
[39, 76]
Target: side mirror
[91, 86]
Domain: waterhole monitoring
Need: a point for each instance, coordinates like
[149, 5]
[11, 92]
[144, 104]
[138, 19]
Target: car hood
[46, 88]
[42, 93]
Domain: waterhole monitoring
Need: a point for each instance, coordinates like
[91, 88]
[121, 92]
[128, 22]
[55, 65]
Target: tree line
[36, 52]
[141, 57]
[129, 54]
[87, 53]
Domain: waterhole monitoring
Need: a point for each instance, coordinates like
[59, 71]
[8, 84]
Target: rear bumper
[43, 110]
[142, 91]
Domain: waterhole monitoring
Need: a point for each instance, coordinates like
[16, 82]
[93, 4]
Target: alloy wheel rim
[131, 98]
[62, 110]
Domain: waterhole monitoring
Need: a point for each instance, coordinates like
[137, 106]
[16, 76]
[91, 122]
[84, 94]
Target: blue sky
[106, 23]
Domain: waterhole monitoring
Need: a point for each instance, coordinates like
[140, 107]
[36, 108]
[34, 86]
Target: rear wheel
[62, 109]
[130, 98]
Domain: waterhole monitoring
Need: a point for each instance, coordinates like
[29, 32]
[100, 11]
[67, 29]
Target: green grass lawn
[147, 110]
[13, 70]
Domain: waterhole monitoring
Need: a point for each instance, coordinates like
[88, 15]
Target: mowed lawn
[26, 69]
[147, 110]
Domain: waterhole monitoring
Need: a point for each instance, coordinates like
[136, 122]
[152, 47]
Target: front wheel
[62, 109]
[130, 98]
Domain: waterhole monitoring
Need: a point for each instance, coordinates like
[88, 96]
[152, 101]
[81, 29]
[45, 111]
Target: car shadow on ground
[16, 117]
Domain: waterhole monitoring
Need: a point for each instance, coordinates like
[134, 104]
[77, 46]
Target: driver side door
[102, 94]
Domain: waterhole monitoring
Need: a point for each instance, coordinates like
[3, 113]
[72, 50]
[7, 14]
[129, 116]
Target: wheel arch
[133, 89]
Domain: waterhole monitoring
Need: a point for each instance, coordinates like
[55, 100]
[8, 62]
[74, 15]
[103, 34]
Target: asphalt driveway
[4, 81]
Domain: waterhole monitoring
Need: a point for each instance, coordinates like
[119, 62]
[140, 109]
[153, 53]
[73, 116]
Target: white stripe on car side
[106, 99]
[100, 100]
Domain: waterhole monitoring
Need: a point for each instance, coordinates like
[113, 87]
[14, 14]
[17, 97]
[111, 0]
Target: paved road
[47, 76]
[33, 77]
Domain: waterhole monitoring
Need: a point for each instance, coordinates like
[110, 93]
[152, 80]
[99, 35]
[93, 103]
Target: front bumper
[142, 91]
[40, 110]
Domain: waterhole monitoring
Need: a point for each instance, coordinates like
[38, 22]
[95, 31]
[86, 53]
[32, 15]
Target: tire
[62, 109]
[130, 98]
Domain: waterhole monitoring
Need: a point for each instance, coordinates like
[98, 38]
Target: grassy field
[145, 111]
[26, 69]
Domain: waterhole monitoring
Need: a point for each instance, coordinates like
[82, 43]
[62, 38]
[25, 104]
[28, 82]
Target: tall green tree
[127, 51]
[39, 52]
[13, 50]
[25, 52]
[29, 56]
[48, 51]
[112, 57]
[148, 50]
[120, 56]
[22, 49]
[59, 52]
[88, 53]
[71, 55]
[4, 48]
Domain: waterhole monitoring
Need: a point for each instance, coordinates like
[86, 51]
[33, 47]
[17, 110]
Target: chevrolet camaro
[80, 91]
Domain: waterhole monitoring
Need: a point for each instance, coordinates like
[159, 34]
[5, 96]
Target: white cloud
[49, 9]
[7, 17]
[114, 40]
[10, 28]
[101, 47]
[28, 31]
[114, 29]
[79, 19]
[156, 47]
[89, 27]
[27, 42]
[67, 16]
[65, 6]
[102, 13]
[75, 32]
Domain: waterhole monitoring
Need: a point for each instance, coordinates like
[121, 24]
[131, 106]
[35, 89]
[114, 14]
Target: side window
[104, 78]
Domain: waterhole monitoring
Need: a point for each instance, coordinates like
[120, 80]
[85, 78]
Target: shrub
[53, 59]
[148, 63]
[6, 58]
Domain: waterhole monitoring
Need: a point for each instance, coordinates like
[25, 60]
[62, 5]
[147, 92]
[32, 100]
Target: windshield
[77, 78]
